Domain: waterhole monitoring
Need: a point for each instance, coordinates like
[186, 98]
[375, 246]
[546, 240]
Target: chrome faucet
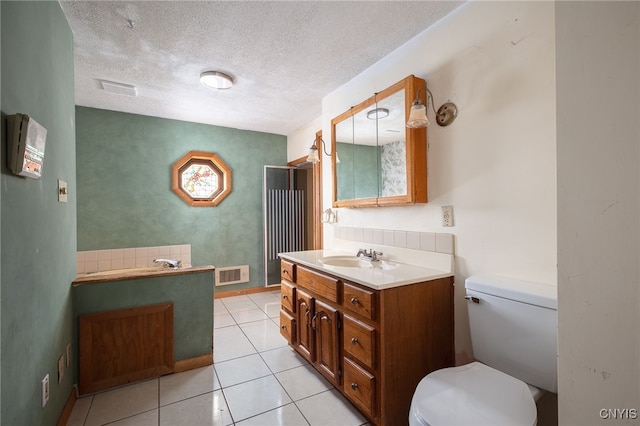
[371, 256]
[168, 263]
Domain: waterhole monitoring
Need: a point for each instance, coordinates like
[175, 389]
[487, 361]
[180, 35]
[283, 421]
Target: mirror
[376, 159]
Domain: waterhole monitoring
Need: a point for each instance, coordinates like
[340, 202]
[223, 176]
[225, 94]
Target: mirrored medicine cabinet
[376, 159]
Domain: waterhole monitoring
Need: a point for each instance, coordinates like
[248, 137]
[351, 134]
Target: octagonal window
[201, 179]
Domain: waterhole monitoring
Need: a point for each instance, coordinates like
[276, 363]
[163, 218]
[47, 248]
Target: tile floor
[256, 380]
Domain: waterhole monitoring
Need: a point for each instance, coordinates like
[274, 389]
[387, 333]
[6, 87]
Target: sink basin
[356, 262]
[345, 261]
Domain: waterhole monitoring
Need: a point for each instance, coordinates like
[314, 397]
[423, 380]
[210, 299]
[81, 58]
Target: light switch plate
[62, 191]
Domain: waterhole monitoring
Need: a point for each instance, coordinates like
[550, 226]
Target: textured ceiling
[284, 56]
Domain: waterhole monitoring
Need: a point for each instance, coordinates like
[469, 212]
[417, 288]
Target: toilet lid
[472, 394]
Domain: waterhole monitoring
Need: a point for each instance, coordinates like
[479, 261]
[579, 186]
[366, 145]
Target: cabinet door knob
[354, 386]
[284, 327]
[354, 340]
[284, 271]
[284, 296]
[354, 300]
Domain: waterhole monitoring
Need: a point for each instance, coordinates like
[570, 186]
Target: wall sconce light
[314, 157]
[418, 113]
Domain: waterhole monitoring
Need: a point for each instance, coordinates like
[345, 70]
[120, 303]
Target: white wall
[598, 116]
[298, 144]
[496, 163]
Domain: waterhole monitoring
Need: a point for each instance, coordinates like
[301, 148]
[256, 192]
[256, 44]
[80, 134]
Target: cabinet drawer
[287, 326]
[359, 341]
[288, 296]
[360, 387]
[323, 285]
[287, 271]
[359, 300]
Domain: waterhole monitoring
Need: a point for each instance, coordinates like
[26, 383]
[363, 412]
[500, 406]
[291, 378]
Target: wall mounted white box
[26, 141]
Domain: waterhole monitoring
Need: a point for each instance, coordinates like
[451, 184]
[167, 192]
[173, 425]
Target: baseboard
[192, 363]
[68, 408]
[230, 293]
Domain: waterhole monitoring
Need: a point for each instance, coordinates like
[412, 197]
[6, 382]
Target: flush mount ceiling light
[378, 113]
[418, 114]
[216, 80]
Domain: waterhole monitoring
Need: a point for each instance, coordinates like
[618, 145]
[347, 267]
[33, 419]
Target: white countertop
[375, 278]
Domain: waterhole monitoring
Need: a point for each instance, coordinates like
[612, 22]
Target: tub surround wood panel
[385, 341]
[123, 346]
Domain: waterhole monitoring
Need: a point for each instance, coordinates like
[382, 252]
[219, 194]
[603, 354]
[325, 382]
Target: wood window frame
[216, 164]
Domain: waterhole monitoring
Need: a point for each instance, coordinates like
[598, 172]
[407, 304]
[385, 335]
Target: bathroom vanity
[133, 324]
[373, 330]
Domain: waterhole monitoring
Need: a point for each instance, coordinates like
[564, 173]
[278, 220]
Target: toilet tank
[514, 328]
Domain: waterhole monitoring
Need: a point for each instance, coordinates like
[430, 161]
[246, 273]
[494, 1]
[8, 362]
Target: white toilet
[514, 337]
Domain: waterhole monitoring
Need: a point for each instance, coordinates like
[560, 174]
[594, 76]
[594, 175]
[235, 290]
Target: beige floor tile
[123, 402]
[176, 387]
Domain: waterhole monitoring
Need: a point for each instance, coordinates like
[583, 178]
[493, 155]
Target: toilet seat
[473, 394]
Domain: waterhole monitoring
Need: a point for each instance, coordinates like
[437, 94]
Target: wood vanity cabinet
[373, 345]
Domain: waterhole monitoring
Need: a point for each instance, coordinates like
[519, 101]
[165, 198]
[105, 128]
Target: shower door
[283, 209]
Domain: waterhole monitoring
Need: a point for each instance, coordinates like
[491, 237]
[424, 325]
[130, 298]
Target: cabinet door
[304, 315]
[325, 324]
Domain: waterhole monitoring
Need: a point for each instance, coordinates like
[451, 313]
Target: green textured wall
[125, 197]
[358, 163]
[38, 234]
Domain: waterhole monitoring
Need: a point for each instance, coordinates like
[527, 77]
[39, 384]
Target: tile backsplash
[137, 257]
[425, 241]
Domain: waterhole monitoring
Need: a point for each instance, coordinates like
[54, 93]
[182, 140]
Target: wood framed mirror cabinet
[376, 160]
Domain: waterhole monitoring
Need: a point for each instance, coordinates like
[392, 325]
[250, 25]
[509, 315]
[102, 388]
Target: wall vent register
[232, 275]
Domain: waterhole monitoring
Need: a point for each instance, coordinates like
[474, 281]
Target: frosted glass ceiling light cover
[378, 113]
[418, 116]
[313, 154]
[216, 80]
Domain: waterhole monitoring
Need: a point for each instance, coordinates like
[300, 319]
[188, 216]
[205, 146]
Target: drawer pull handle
[354, 300]
[284, 296]
[354, 386]
[284, 271]
[354, 340]
[284, 327]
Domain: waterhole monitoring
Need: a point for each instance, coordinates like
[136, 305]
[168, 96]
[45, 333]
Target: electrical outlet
[60, 369]
[45, 390]
[447, 215]
[69, 354]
